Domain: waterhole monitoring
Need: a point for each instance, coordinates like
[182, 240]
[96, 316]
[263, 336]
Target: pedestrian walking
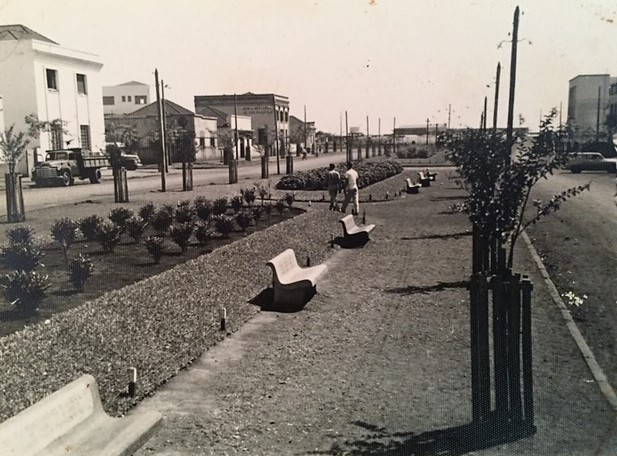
[333, 181]
[351, 190]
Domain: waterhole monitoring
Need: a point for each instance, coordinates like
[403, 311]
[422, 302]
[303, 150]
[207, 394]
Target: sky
[409, 60]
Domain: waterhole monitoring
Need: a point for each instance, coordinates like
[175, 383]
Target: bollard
[308, 261]
[363, 217]
[331, 241]
[223, 315]
[370, 197]
[309, 203]
[132, 381]
[387, 194]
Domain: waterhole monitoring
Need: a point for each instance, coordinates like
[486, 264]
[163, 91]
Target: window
[286, 116]
[128, 98]
[52, 79]
[84, 131]
[212, 142]
[56, 139]
[109, 101]
[123, 98]
[141, 99]
[202, 142]
[82, 88]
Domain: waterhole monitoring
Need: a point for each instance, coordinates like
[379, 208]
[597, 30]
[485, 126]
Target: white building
[2, 127]
[125, 98]
[38, 76]
[588, 104]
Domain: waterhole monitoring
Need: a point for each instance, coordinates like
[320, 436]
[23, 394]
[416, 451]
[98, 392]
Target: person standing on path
[333, 181]
[351, 190]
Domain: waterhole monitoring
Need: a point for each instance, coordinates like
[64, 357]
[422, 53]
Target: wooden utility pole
[167, 160]
[347, 151]
[497, 76]
[276, 137]
[237, 138]
[305, 131]
[449, 112]
[427, 129]
[484, 116]
[379, 136]
[367, 139]
[161, 129]
[512, 79]
[394, 137]
[598, 117]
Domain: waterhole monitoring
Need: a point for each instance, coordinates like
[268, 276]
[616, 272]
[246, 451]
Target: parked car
[130, 161]
[592, 161]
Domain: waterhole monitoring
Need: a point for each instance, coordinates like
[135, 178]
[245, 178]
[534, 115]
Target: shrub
[236, 203]
[249, 195]
[80, 269]
[25, 289]
[181, 234]
[219, 206]
[120, 215]
[203, 207]
[184, 212]
[289, 199]
[203, 232]
[162, 219]
[244, 219]
[263, 192]
[64, 232]
[20, 235]
[89, 226]
[256, 213]
[224, 224]
[156, 247]
[147, 211]
[280, 206]
[22, 257]
[135, 227]
[109, 236]
[268, 209]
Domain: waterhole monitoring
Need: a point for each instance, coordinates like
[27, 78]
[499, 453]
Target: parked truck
[62, 166]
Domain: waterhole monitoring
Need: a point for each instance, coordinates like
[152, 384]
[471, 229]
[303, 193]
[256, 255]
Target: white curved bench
[292, 284]
[71, 421]
[412, 187]
[354, 234]
[424, 180]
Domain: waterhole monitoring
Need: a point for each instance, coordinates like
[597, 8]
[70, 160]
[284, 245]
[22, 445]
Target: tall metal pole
[598, 118]
[449, 112]
[237, 138]
[276, 137]
[161, 130]
[495, 110]
[340, 118]
[427, 128]
[379, 135]
[394, 137]
[166, 158]
[484, 116]
[512, 78]
[367, 138]
[305, 130]
[347, 151]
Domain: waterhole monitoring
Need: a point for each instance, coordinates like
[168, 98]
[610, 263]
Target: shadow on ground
[452, 441]
[265, 300]
[413, 289]
[346, 243]
[438, 236]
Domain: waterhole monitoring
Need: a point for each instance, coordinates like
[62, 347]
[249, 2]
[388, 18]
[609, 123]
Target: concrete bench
[425, 181]
[292, 284]
[71, 421]
[412, 187]
[354, 234]
[431, 176]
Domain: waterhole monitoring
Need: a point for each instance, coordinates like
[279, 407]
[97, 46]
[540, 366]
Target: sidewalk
[378, 358]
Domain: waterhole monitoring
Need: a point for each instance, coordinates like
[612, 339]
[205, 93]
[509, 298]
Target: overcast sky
[407, 59]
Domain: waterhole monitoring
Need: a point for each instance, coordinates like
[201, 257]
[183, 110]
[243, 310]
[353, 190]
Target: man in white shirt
[351, 190]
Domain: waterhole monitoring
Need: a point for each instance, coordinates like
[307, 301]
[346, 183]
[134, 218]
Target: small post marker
[387, 194]
[370, 197]
[363, 217]
[309, 203]
[331, 241]
[308, 261]
[323, 197]
[223, 315]
[132, 381]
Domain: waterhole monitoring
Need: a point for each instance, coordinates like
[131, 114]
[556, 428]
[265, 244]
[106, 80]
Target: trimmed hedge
[369, 172]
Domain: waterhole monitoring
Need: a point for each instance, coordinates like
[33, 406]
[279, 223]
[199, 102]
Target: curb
[592, 363]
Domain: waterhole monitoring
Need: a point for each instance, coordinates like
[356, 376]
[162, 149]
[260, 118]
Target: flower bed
[158, 325]
[369, 172]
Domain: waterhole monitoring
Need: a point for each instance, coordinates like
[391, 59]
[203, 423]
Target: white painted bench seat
[292, 284]
[412, 187]
[71, 421]
[354, 233]
[425, 181]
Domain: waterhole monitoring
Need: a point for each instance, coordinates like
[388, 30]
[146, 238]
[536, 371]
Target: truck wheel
[67, 179]
[95, 176]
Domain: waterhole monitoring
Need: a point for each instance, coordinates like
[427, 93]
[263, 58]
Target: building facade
[39, 77]
[226, 132]
[302, 135]
[178, 120]
[125, 98]
[588, 105]
[269, 115]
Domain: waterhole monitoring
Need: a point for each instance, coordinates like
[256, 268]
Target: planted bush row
[369, 172]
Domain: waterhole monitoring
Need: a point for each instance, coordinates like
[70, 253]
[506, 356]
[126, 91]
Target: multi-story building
[302, 134]
[39, 77]
[588, 105]
[226, 132]
[125, 98]
[269, 114]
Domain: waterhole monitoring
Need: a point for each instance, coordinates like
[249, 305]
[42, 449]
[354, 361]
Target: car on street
[591, 161]
[130, 161]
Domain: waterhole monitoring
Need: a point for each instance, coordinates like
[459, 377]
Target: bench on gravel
[71, 421]
[293, 285]
[425, 181]
[353, 234]
[431, 176]
[412, 187]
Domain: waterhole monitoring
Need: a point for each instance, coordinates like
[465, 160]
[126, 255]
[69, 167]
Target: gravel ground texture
[378, 362]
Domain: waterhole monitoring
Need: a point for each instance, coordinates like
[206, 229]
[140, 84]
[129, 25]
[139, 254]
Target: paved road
[145, 180]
